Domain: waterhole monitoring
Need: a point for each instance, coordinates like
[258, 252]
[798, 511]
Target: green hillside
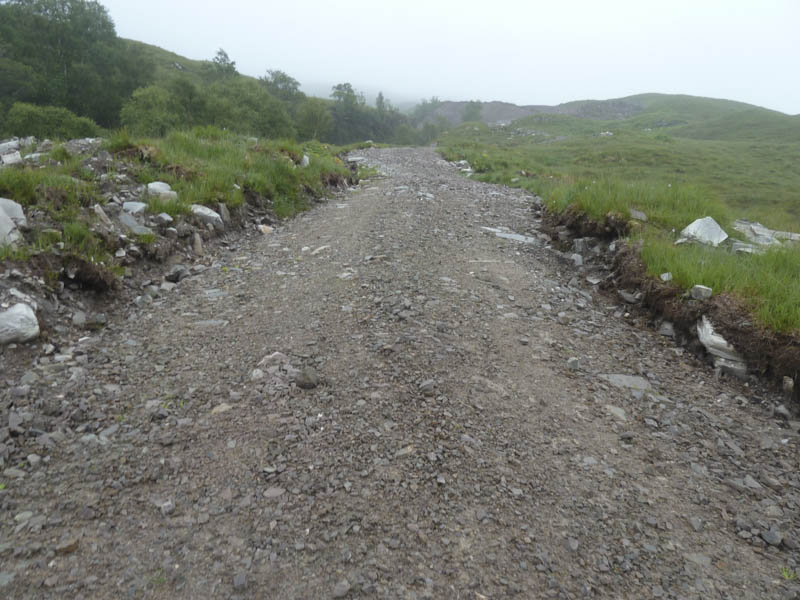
[166, 64]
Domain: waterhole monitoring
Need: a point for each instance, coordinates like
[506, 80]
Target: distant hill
[679, 115]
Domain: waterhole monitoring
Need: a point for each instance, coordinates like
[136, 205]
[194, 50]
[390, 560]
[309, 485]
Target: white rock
[701, 292]
[101, 214]
[666, 277]
[14, 158]
[9, 234]
[725, 356]
[9, 146]
[161, 189]
[164, 219]
[306, 161]
[18, 324]
[13, 211]
[134, 208]
[158, 187]
[206, 215]
[705, 231]
[638, 215]
[223, 211]
[617, 412]
[761, 235]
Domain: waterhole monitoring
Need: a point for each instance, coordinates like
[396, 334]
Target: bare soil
[444, 419]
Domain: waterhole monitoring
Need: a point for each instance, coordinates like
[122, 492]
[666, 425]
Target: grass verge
[673, 181]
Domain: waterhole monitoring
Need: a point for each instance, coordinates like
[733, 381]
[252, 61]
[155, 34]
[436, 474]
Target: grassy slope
[678, 158]
[165, 62]
[204, 165]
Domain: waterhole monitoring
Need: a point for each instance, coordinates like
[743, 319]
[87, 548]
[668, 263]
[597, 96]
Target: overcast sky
[523, 52]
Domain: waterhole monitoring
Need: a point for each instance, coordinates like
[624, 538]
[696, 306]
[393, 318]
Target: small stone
[572, 544]
[772, 537]
[134, 208]
[197, 244]
[34, 460]
[698, 559]
[665, 277]
[342, 589]
[574, 363]
[428, 387]
[638, 215]
[633, 382]
[307, 378]
[221, 408]
[206, 215]
[274, 492]
[617, 412]
[167, 507]
[177, 273]
[240, 582]
[68, 546]
[696, 524]
[701, 292]
[782, 411]
[667, 329]
[751, 483]
[14, 473]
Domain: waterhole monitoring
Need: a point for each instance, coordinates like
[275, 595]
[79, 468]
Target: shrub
[48, 121]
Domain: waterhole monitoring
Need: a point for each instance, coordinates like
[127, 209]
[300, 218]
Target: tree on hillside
[472, 111]
[223, 65]
[344, 94]
[284, 87]
[314, 120]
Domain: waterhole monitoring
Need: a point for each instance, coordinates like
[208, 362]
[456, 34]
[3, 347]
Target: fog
[522, 52]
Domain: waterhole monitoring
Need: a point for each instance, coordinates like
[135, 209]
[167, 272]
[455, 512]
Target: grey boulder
[18, 324]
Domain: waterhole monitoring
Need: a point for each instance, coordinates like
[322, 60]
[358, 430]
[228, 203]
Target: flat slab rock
[631, 382]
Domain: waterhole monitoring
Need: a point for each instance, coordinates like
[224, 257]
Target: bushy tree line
[64, 71]
[66, 53]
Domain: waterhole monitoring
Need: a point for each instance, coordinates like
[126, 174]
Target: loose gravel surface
[384, 400]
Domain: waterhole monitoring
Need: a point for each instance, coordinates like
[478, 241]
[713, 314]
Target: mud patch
[612, 227]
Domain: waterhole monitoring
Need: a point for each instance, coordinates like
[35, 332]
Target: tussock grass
[769, 283]
[749, 173]
[208, 165]
[205, 165]
[665, 205]
[52, 190]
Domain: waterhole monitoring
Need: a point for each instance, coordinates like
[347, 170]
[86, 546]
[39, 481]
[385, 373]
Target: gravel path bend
[384, 400]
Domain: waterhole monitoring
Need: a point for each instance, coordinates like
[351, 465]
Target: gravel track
[422, 433]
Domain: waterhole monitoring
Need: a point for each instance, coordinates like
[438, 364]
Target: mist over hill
[721, 117]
